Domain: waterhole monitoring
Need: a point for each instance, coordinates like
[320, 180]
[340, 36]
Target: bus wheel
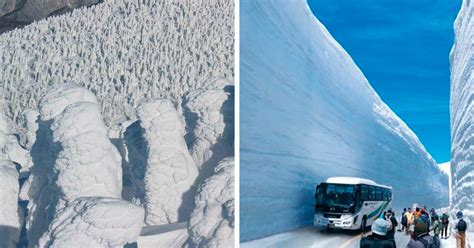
[362, 224]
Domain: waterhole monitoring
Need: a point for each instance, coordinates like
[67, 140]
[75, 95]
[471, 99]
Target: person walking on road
[393, 224]
[378, 238]
[436, 226]
[409, 217]
[445, 222]
[403, 221]
[460, 227]
[421, 237]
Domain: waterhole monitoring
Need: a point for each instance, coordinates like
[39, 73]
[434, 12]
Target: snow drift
[309, 113]
[462, 111]
[95, 222]
[170, 169]
[123, 51]
[212, 221]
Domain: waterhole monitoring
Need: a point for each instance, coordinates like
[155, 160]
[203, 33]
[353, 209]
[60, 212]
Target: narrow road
[314, 238]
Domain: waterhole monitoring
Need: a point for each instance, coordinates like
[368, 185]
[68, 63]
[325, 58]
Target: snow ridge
[309, 114]
[122, 51]
[462, 111]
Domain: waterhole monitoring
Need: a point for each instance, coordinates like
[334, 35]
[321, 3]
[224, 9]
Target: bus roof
[354, 180]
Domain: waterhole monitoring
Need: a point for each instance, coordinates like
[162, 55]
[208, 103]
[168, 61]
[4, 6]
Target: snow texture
[9, 189]
[170, 169]
[212, 221]
[95, 222]
[29, 127]
[74, 156]
[462, 111]
[309, 113]
[122, 51]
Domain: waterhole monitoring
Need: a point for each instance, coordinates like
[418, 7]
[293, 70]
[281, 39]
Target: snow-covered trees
[95, 222]
[212, 221]
[462, 111]
[170, 170]
[74, 156]
[122, 50]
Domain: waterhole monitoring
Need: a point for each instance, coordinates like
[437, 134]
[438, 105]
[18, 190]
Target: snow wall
[462, 111]
[309, 113]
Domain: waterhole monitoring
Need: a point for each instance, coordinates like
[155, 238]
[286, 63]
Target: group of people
[418, 224]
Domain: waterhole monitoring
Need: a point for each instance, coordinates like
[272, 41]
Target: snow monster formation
[308, 113]
[170, 169]
[212, 221]
[9, 189]
[462, 111]
[95, 222]
[74, 159]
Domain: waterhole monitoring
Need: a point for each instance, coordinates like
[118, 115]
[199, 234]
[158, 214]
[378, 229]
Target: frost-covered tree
[95, 222]
[29, 127]
[9, 188]
[212, 221]
[122, 50]
[170, 169]
[207, 111]
[73, 156]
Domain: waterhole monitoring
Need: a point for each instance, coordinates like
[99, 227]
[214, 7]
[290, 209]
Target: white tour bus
[350, 203]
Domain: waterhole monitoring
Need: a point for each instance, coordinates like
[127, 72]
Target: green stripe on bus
[377, 212]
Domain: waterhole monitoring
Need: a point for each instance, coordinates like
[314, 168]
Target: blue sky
[402, 47]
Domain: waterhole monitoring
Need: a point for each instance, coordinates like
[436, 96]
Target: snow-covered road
[314, 238]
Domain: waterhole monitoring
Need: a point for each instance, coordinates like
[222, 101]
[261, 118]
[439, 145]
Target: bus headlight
[346, 222]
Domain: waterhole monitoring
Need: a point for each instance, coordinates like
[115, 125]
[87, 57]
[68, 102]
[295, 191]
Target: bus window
[378, 195]
[385, 194]
[371, 193]
[364, 193]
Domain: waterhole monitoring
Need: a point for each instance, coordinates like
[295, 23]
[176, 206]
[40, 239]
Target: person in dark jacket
[378, 238]
[393, 220]
[421, 237]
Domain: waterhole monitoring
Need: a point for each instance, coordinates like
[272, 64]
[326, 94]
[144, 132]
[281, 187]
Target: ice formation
[206, 109]
[170, 169]
[74, 156]
[122, 50]
[212, 221]
[95, 222]
[462, 111]
[29, 127]
[9, 188]
[309, 113]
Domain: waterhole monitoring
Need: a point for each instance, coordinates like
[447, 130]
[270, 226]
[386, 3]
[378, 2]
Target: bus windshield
[335, 195]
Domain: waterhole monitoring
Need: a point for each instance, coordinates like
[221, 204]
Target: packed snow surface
[308, 113]
[95, 222]
[121, 50]
[462, 111]
[170, 170]
[212, 221]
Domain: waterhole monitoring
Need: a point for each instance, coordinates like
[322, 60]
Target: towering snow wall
[309, 113]
[462, 111]
[122, 51]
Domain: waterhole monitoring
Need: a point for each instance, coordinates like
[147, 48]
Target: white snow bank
[122, 50]
[95, 222]
[462, 111]
[29, 127]
[212, 221]
[168, 235]
[308, 113]
[170, 170]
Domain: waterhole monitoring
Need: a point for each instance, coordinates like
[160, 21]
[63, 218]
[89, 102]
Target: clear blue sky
[402, 47]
